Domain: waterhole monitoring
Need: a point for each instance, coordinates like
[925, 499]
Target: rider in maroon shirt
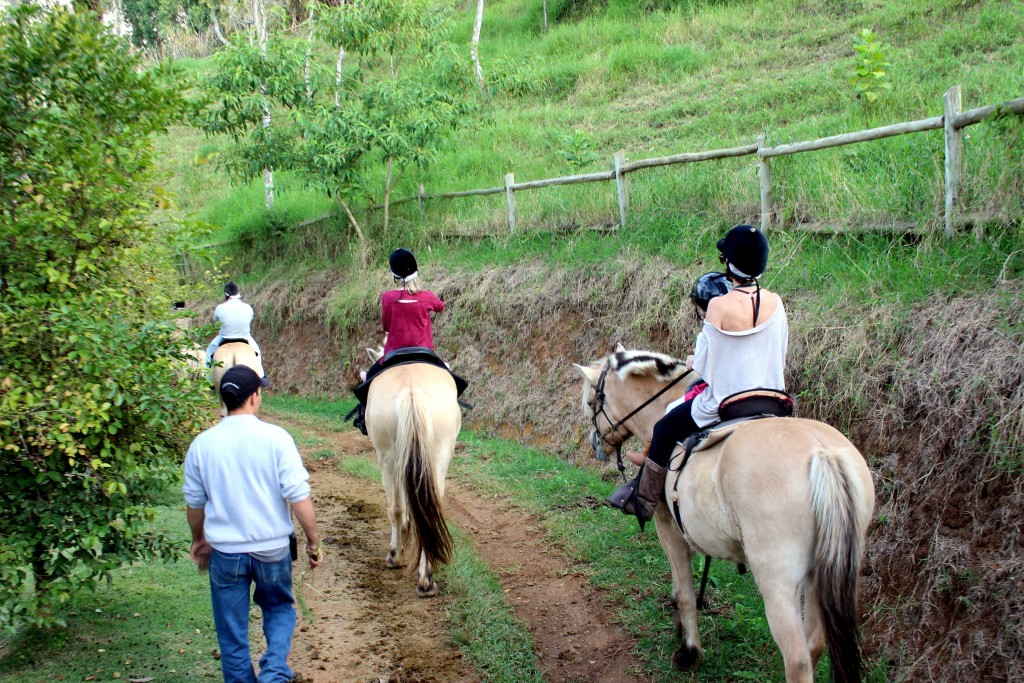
[405, 315]
[406, 318]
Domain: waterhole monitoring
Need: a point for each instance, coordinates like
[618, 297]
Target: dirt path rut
[360, 622]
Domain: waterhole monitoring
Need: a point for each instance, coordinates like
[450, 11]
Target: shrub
[870, 74]
[95, 405]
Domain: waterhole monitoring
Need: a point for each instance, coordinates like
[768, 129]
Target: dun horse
[791, 498]
[229, 355]
[413, 419]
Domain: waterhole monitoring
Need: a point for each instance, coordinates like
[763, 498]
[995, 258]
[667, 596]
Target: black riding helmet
[231, 289]
[402, 263]
[746, 250]
[707, 287]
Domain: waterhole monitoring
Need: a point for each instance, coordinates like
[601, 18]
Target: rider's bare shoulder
[733, 312]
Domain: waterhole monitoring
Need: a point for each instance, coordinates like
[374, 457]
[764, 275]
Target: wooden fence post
[954, 155]
[510, 180]
[620, 186]
[764, 176]
[419, 196]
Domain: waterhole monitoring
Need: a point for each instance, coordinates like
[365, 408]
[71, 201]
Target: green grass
[664, 77]
[151, 619]
[483, 625]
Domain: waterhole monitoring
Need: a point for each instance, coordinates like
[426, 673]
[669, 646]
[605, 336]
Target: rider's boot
[641, 494]
[359, 421]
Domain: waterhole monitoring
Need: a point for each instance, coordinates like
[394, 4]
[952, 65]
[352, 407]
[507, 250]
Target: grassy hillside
[687, 76]
[910, 344]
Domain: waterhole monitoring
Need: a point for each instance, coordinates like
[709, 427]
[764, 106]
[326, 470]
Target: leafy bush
[95, 403]
[515, 77]
[870, 74]
[577, 150]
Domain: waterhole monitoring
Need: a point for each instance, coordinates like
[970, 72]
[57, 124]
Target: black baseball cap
[237, 385]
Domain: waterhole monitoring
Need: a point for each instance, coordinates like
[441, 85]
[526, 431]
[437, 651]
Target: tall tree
[475, 45]
[94, 407]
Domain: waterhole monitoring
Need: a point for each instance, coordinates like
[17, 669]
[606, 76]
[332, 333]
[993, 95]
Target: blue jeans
[230, 578]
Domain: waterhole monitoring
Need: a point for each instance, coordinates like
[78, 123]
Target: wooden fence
[953, 121]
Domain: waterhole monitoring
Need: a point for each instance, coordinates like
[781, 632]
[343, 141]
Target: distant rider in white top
[235, 317]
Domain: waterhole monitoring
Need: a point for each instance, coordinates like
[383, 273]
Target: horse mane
[647, 364]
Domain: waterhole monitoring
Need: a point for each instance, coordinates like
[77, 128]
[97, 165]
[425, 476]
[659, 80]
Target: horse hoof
[390, 562]
[428, 592]
[685, 658]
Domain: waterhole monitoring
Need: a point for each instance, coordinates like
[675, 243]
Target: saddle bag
[756, 402]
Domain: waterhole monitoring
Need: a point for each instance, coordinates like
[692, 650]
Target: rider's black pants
[675, 426]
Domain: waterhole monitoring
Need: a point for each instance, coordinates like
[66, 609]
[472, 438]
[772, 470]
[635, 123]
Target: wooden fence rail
[952, 121]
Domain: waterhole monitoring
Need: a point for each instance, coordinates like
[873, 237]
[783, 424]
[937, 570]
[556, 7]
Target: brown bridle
[599, 403]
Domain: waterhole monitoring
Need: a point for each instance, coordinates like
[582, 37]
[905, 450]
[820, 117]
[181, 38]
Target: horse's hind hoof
[428, 592]
[685, 658]
[390, 562]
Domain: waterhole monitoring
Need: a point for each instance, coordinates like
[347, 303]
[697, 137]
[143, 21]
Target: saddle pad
[720, 431]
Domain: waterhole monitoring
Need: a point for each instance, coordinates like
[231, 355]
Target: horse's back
[757, 484]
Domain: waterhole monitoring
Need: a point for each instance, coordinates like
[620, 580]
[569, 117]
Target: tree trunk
[545, 16]
[387, 194]
[216, 26]
[309, 52]
[474, 46]
[259, 18]
[364, 251]
[337, 77]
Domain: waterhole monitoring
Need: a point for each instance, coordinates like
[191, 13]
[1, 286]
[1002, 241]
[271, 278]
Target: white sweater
[731, 362]
[243, 473]
[235, 318]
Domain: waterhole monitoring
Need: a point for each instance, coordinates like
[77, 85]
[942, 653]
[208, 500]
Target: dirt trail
[364, 623]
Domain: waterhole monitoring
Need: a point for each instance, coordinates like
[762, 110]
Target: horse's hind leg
[426, 587]
[782, 607]
[391, 561]
[813, 628]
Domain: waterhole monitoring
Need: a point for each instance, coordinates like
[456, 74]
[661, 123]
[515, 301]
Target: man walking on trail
[240, 478]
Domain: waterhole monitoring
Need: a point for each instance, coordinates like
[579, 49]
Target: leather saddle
[406, 356]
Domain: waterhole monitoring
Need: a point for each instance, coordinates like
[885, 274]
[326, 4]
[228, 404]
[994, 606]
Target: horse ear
[619, 347]
[589, 374]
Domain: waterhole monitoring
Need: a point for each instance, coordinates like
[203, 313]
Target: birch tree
[475, 45]
[259, 21]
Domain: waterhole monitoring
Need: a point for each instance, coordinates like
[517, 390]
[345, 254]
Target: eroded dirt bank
[364, 623]
[932, 394]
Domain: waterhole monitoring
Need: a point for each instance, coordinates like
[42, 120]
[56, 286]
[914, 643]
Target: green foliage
[871, 70]
[577, 150]
[515, 78]
[397, 106]
[95, 401]
[151, 19]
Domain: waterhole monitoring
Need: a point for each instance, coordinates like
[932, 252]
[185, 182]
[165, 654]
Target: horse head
[618, 391]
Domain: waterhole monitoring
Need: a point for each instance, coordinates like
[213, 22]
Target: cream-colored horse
[791, 498]
[413, 419]
[230, 355]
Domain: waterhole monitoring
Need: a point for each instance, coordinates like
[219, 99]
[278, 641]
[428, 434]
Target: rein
[617, 425]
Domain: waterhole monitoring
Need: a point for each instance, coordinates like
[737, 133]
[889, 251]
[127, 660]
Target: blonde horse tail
[416, 463]
[836, 494]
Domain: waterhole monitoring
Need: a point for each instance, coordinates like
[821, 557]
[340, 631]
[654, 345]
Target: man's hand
[315, 553]
[200, 552]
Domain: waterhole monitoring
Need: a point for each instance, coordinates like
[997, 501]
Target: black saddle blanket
[412, 354]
